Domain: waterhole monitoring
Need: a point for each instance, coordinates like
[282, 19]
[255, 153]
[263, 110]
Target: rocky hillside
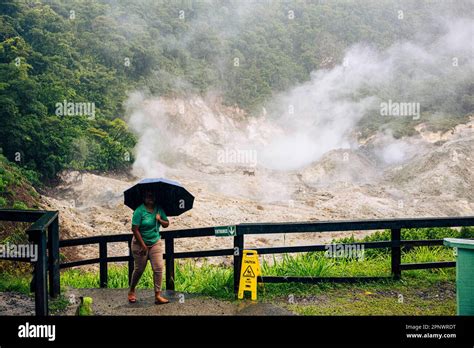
[430, 175]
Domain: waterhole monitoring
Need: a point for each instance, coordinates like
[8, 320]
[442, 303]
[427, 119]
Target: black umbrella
[169, 194]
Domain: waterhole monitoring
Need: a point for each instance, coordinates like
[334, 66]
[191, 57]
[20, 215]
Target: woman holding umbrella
[147, 244]
[149, 215]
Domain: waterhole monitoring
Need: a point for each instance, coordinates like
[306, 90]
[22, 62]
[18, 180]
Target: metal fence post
[53, 255]
[169, 256]
[396, 253]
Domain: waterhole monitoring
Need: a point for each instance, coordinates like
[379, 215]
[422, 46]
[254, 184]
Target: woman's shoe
[161, 300]
[131, 297]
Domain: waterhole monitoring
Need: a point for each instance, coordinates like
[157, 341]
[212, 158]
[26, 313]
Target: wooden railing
[44, 232]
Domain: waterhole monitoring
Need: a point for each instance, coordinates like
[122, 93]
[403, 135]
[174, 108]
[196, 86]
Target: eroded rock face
[446, 171]
[343, 166]
[458, 131]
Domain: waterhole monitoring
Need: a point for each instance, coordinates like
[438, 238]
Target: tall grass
[217, 281]
[212, 280]
[207, 279]
[9, 282]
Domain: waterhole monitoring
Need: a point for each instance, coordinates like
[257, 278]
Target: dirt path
[114, 302]
[14, 303]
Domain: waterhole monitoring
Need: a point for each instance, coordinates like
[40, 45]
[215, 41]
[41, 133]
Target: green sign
[225, 231]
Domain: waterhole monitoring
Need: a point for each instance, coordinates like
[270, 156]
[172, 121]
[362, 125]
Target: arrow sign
[225, 231]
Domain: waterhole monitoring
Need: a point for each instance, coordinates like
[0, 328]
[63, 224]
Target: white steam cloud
[321, 115]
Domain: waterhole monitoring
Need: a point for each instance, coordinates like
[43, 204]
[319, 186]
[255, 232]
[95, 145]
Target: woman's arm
[138, 236]
[163, 223]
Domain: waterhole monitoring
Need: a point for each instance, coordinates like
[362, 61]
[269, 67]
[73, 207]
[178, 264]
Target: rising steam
[321, 115]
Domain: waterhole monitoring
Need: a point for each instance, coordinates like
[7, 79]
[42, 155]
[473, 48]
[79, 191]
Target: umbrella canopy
[169, 194]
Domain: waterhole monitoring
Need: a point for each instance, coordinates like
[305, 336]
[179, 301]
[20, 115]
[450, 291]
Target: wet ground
[13, 303]
[114, 302]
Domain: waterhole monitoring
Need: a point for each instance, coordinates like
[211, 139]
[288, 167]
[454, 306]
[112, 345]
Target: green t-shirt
[147, 225]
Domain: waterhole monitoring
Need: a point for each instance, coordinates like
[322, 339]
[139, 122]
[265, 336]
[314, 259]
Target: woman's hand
[162, 222]
[144, 249]
[138, 237]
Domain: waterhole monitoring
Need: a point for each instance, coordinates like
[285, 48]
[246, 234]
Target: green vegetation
[42, 63]
[14, 282]
[57, 305]
[15, 184]
[411, 296]
[85, 307]
[414, 234]
[15, 192]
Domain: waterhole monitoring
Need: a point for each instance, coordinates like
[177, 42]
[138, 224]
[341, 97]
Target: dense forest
[97, 51]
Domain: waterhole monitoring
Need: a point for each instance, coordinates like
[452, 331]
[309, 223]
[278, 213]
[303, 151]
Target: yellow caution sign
[248, 275]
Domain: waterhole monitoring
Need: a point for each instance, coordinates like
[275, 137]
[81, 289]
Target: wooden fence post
[103, 264]
[53, 254]
[38, 238]
[396, 253]
[131, 262]
[238, 250]
[170, 270]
